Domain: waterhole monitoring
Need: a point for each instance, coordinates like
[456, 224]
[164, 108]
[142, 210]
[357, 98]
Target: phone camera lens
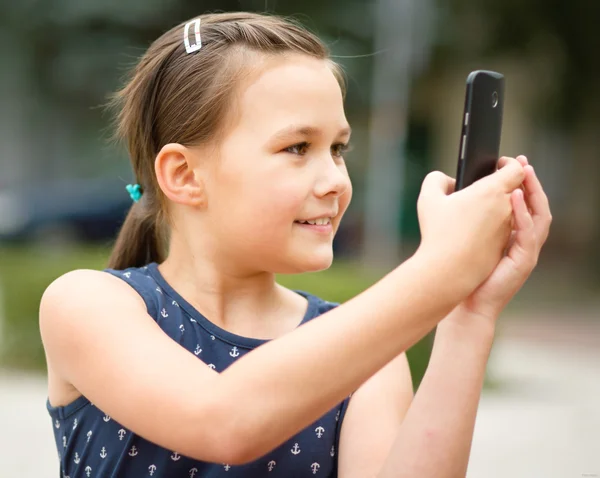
[494, 99]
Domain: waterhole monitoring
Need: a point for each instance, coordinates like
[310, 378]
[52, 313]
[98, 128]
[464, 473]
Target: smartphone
[481, 127]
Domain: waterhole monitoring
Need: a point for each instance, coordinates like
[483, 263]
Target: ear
[177, 176]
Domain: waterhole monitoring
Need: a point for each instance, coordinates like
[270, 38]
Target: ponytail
[141, 240]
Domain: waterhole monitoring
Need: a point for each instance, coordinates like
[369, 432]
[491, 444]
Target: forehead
[294, 89]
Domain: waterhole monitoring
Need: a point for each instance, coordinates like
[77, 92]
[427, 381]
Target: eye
[300, 148]
[339, 149]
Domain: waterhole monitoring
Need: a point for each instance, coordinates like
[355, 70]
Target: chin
[315, 262]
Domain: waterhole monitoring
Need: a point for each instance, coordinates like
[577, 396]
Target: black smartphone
[481, 127]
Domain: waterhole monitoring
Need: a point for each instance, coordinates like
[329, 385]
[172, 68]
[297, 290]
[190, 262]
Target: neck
[244, 302]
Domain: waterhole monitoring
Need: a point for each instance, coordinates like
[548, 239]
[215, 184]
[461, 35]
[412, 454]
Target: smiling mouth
[324, 221]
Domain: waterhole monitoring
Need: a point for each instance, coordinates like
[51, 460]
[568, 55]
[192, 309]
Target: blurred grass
[24, 275]
[26, 272]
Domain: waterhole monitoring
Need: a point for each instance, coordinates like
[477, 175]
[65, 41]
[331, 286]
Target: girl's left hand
[532, 218]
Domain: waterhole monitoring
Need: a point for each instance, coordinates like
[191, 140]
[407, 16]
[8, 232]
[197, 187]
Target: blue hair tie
[135, 191]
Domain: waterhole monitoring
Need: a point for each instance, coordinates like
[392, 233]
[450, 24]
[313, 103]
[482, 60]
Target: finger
[523, 160]
[510, 176]
[502, 162]
[524, 250]
[437, 183]
[538, 203]
[505, 159]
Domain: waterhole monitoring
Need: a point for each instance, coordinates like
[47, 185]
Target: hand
[532, 221]
[464, 234]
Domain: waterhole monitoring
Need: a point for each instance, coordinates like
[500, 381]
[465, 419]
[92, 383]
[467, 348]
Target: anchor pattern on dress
[312, 450]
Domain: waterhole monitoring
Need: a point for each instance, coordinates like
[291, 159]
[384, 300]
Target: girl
[186, 359]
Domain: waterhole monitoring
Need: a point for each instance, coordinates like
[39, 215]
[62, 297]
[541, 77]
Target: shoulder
[77, 291]
[85, 286]
[70, 301]
[316, 305]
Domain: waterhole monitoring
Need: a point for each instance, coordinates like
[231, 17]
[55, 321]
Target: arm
[389, 434]
[372, 420]
[435, 437]
[261, 392]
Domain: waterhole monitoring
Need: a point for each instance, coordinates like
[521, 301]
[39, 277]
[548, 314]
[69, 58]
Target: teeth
[318, 222]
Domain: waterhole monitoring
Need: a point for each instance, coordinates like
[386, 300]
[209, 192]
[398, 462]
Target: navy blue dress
[91, 444]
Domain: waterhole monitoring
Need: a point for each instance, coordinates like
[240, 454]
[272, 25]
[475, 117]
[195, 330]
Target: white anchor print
[227, 467]
[271, 465]
[57, 424]
[164, 313]
[133, 451]
[193, 320]
[106, 418]
[77, 459]
[296, 450]
[332, 452]
[64, 442]
[103, 453]
[182, 328]
[319, 431]
[88, 471]
[337, 417]
[175, 456]
[158, 290]
[152, 469]
[89, 436]
[121, 433]
[127, 274]
[211, 365]
[175, 303]
[75, 424]
[198, 349]
[193, 472]
[212, 337]
[315, 467]
[234, 352]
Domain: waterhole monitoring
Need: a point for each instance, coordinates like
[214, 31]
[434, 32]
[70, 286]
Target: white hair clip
[186, 39]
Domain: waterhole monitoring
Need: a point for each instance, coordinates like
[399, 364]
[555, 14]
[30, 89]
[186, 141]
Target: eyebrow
[306, 131]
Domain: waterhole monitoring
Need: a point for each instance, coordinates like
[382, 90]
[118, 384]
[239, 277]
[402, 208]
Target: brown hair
[175, 97]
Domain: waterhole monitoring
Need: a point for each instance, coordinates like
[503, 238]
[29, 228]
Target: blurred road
[543, 421]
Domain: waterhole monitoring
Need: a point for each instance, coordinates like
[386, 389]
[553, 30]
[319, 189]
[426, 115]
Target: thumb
[437, 183]
[510, 175]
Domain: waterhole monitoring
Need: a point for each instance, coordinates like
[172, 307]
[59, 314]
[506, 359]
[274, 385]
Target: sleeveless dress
[91, 444]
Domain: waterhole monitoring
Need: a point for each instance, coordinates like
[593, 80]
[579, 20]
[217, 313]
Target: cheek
[262, 207]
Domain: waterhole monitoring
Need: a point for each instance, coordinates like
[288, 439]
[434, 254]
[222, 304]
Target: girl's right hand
[465, 233]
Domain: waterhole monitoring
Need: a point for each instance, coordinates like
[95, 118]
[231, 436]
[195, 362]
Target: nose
[333, 179]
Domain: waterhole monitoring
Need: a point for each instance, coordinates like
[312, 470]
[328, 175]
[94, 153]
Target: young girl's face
[280, 164]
